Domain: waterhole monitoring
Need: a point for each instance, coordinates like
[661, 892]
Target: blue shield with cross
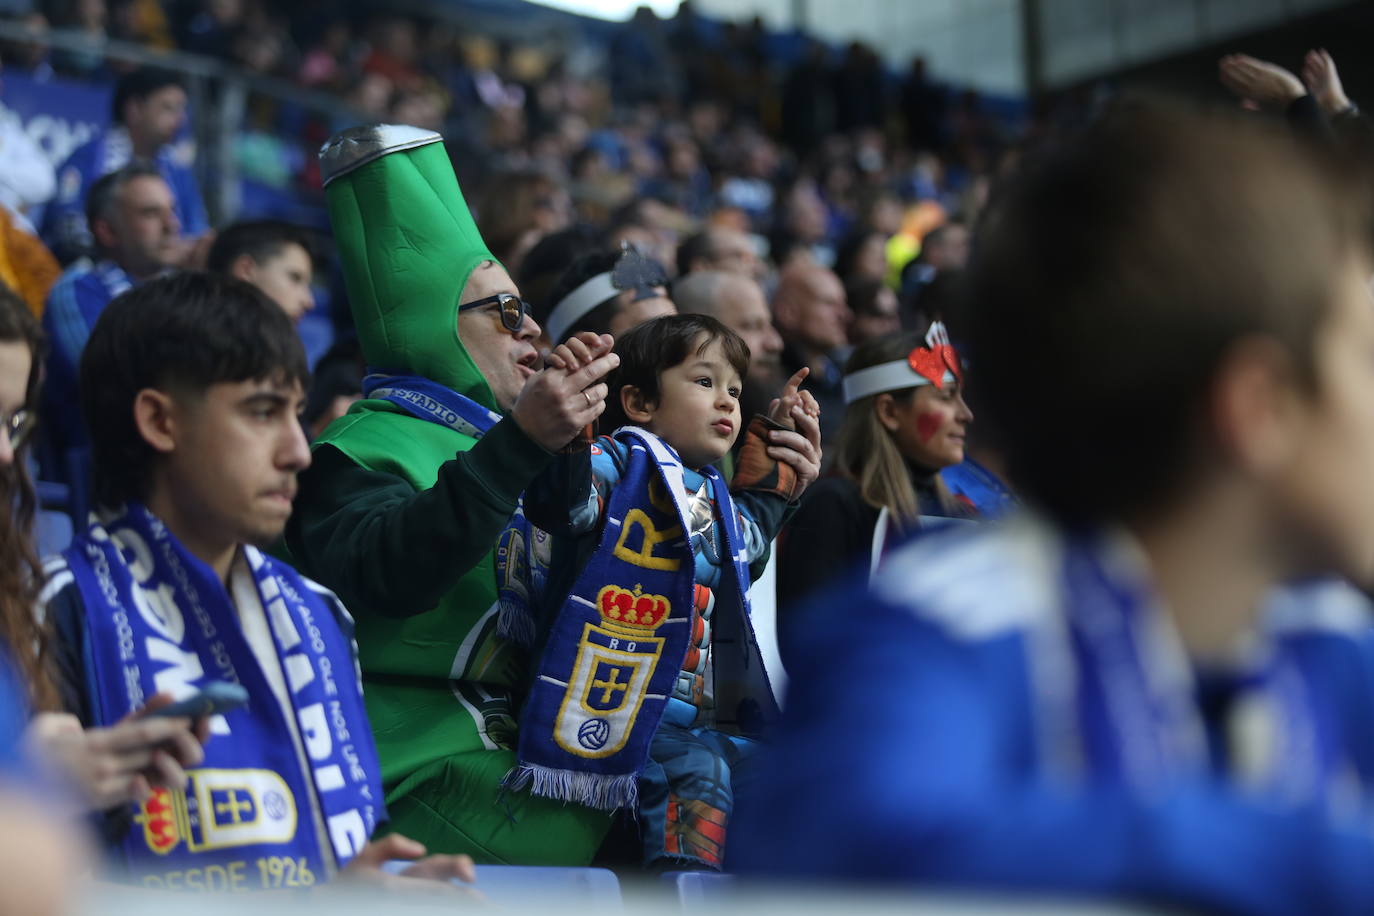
[609, 681]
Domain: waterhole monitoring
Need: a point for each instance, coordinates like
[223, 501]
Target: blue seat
[700, 888]
[513, 885]
[53, 531]
[53, 523]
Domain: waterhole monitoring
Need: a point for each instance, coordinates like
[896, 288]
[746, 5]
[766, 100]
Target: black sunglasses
[513, 309]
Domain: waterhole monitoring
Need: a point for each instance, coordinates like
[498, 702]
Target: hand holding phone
[215, 698]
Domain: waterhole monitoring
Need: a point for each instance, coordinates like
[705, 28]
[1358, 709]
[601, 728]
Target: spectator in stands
[403, 530]
[862, 253]
[719, 248]
[902, 427]
[136, 232]
[521, 209]
[803, 225]
[273, 256]
[149, 110]
[192, 383]
[944, 248]
[1114, 697]
[874, 309]
[737, 301]
[335, 385]
[550, 258]
[813, 318]
[608, 292]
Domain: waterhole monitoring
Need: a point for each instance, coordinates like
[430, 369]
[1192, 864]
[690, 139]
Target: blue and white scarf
[159, 619]
[1136, 695]
[618, 642]
[428, 400]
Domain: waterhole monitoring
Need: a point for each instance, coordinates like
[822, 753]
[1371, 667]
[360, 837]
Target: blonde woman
[905, 420]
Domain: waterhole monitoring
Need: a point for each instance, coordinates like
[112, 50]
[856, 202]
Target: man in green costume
[408, 493]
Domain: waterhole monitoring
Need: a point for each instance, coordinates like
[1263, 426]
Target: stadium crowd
[1053, 438]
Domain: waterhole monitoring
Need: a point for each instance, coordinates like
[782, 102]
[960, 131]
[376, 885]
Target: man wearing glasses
[409, 492]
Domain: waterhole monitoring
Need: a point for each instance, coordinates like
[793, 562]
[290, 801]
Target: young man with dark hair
[1113, 696]
[134, 225]
[148, 111]
[273, 256]
[192, 384]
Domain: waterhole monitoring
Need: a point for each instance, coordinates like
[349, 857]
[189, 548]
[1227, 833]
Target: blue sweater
[64, 221]
[934, 734]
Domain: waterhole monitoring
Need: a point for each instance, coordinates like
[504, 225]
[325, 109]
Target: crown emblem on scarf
[159, 820]
[631, 608]
[936, 357]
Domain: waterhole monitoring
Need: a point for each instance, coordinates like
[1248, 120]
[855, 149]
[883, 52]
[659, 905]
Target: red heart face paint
[928, 423]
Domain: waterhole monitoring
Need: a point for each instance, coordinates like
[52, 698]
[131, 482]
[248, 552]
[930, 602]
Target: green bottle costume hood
[407, 243]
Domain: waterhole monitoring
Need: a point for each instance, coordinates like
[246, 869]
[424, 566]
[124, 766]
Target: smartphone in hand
[215, 698]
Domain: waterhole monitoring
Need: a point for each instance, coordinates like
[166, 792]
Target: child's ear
[638, 409]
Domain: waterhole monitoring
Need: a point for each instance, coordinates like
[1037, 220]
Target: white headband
[578, 303]
[893, 376]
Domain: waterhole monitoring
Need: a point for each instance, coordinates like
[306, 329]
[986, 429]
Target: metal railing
[218, 93]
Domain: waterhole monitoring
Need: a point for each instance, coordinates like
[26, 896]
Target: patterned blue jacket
[959, 726]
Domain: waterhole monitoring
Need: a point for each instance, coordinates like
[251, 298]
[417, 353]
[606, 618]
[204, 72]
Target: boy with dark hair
[148, 111]
[192, 384]
[650, 681]
[1110, 696]
[272, 255]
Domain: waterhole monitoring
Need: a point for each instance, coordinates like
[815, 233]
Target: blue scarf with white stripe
[618, 642]
[159, 619]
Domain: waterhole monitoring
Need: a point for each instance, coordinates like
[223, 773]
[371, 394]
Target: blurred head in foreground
[1175, 308]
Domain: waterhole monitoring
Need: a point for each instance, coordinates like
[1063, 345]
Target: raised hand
[781, 409]
[800, 448]
[558, 402]
[1259, 81]
[1319, 73]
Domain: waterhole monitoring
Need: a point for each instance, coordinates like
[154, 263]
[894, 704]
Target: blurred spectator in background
[335, 384]
[148, 110]
[273, 256]
[873, 307]
[944, 248]
[89, 18]
[551, 256]
[813, 318]
[719, 248]
[923, 107]
[133, 221]
[736, 300]
[607, 292]
[862, 253]
[518, 210]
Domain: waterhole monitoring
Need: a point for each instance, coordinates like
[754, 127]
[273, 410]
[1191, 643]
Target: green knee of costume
[456, 805]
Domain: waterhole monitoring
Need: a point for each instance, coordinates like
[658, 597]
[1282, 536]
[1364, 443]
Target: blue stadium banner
[59, 115]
